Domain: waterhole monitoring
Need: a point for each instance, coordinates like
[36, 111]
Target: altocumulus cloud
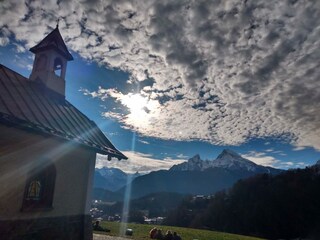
[138, 162]
[223, 71]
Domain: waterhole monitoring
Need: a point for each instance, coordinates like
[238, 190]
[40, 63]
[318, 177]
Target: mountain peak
[193, 164]
[228, 152]
[232, 160]
[195, 158]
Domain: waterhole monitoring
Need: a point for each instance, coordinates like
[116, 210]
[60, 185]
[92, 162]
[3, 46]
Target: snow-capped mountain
[112, 178]
[193, 164]
[228, 159]
[197, 176]
[111, 172]
[232, 160]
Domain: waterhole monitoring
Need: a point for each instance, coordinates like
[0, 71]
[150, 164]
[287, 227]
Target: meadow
[141, 232]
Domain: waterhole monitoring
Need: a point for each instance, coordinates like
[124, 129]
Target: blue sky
[165, 81]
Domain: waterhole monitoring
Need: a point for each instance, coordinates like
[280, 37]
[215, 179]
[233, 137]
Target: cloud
[262, 158]
[19, 48]
[137, 162]
[4, 36]
[223, 71]
[144, 142]
[269, 150]
[298, 148]
[182, 156]
[4, 41]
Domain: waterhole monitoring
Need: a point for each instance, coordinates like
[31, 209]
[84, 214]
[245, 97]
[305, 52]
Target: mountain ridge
[197, 176]
[112, 179]
[227, 159]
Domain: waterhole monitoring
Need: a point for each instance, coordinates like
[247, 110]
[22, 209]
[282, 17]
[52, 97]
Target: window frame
[46, 176]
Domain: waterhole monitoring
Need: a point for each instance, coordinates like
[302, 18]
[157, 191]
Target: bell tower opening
[58, 67]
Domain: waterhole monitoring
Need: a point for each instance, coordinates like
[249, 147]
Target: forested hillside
[282, 206]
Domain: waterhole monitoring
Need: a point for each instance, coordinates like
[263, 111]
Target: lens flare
[127, 196]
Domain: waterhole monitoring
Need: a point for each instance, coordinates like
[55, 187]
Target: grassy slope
[141, 232]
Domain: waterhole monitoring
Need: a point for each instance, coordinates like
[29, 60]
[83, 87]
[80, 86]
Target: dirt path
[105, 237]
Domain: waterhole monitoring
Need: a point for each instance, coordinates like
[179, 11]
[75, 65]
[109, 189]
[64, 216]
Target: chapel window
[34, 190]
[39, 189]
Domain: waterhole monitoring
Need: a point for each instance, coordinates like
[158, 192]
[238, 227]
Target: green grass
[141, 232]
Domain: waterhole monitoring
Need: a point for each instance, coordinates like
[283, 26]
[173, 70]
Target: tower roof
[53, 41]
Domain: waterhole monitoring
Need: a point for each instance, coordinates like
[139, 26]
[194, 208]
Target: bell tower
[50, 64]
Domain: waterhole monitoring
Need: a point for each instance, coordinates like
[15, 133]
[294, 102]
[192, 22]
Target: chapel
[47, 151]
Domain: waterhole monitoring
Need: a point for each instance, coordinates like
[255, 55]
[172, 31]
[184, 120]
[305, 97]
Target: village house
[47, 151]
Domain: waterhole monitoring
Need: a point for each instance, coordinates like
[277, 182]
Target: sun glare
[136, 103]
[141, 108]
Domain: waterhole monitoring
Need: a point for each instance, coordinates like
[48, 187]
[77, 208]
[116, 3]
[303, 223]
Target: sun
[141, 109]
[136, 103]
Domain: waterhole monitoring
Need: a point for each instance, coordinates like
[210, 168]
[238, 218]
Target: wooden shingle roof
[30, 106]
[53, 41]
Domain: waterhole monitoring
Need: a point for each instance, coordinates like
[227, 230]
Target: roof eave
[28, 126]
[36, 49]
[112, 155]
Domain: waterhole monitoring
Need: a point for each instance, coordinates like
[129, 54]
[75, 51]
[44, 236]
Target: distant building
[155, 220]
[47, 151]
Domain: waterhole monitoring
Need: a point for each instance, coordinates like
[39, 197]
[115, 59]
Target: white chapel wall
[20, 152]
